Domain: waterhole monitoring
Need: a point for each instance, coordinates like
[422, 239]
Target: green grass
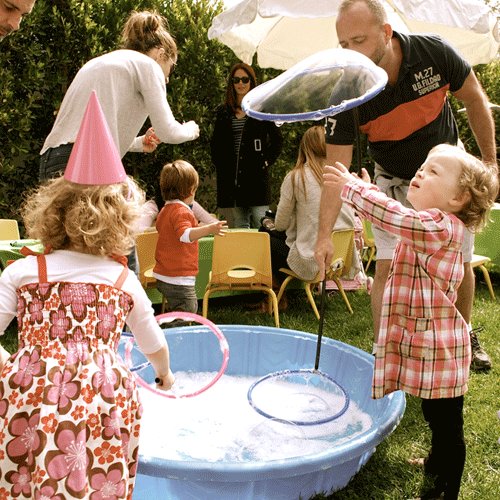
[387, 475]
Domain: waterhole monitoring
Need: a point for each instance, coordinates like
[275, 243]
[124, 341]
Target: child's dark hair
[177, 180]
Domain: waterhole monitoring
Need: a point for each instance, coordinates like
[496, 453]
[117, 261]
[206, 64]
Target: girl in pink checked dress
[69, 409]
[424, 346]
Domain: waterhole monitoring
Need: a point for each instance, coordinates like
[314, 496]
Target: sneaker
[480, 360]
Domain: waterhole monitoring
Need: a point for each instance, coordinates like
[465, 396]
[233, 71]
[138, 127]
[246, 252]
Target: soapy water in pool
[306, 397]
[219, 425]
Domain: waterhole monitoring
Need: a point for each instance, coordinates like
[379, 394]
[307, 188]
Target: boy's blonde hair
[479, 180]
[177, 180]
[96, 220]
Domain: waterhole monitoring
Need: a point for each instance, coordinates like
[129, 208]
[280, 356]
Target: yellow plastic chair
[343, 242]
[9, 229]
[145, 244]
[480, 261]
[368, 243]
[241, 260]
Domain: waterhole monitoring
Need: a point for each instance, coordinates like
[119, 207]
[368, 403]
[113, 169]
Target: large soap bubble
[321, 85]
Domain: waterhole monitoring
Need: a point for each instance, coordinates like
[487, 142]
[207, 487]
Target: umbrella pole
[321, 320]
[358, 139]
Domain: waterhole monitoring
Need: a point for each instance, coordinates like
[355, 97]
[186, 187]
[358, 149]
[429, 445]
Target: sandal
[417, 462]
[423, 463]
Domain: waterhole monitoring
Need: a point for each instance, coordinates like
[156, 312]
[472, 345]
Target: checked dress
[69, 409]
[423, 345]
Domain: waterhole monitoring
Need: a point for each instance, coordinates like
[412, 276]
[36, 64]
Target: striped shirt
[424, 345]
[238, 124]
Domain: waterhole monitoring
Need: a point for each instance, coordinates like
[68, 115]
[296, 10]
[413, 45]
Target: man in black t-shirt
[403, 123]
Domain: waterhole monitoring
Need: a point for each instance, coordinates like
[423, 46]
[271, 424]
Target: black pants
[279, 254]
[447, 457]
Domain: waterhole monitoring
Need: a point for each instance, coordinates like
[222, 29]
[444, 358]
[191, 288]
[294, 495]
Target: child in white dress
[69, 409]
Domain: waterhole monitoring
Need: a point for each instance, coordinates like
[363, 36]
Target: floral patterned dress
[69, 409]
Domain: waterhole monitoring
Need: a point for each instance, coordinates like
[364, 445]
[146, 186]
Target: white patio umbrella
[284, 32]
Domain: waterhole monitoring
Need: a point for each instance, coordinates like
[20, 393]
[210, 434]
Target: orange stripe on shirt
[407, 118]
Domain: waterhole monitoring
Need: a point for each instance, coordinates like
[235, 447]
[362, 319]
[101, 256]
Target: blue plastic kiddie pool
[257, 351]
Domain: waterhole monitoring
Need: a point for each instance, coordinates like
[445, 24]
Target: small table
[11, 249]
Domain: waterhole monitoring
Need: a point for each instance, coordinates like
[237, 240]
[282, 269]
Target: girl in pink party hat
[69, 409]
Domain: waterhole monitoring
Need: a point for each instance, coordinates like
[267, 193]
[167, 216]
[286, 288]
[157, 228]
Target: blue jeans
[247, 217]
[53, 162]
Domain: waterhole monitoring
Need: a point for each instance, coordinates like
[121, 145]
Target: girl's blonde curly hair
[479, 180]
[96, 220]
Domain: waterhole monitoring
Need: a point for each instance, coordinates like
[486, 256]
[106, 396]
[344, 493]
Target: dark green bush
[40, 60]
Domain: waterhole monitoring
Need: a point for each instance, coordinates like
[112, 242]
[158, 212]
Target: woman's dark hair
[231, 100]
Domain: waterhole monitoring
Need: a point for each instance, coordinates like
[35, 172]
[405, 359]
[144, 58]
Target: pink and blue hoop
[224, 347]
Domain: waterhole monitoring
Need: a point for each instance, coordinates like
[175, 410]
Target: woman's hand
[195, 128]
[150, 141]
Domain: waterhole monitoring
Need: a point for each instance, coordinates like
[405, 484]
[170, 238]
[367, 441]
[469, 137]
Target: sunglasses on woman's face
[238, 79]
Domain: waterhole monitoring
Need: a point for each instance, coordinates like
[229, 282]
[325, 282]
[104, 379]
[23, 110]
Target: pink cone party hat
[94, 159]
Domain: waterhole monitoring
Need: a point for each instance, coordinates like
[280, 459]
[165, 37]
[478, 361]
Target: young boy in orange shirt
[178, 234]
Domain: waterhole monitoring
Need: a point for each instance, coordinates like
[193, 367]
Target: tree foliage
[41, 59]
[39, 62]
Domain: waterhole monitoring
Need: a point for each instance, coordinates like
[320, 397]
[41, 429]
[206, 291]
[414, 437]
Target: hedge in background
[40, 60]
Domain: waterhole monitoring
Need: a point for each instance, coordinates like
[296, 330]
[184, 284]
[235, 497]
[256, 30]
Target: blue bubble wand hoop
[314, 378]
[322, 85]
